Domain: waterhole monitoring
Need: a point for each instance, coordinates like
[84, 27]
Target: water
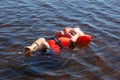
[23, 21]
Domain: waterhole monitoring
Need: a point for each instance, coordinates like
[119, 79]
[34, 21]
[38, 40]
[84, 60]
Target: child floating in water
[69, 37]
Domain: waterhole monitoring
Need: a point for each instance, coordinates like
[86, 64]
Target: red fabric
[64, 41]
[83, 41]
[54, 46]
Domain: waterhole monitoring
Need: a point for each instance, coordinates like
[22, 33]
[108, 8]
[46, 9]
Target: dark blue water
[23, 21]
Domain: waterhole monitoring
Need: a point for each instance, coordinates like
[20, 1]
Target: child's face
[70, 32]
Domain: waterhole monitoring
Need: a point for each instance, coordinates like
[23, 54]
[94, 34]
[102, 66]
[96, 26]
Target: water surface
[23, 21]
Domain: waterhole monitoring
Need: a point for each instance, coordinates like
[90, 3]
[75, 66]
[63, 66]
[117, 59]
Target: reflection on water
[23, 21]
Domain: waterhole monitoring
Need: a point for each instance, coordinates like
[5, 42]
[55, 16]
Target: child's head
[83, 41]
[70, 32]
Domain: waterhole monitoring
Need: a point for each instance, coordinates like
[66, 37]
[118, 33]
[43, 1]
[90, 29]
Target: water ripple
[23, 21]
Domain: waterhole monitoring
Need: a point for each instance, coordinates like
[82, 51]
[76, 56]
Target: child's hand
[59, 33]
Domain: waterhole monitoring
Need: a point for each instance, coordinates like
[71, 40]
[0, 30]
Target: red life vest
[55, 47]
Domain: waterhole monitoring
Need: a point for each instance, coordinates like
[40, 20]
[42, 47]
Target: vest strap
[58, 42]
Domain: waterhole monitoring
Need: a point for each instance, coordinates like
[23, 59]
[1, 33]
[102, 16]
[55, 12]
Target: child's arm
[63, 33]
[59, 34]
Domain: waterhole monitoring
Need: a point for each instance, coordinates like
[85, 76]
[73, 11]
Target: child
[69, 37]
[69, 32]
